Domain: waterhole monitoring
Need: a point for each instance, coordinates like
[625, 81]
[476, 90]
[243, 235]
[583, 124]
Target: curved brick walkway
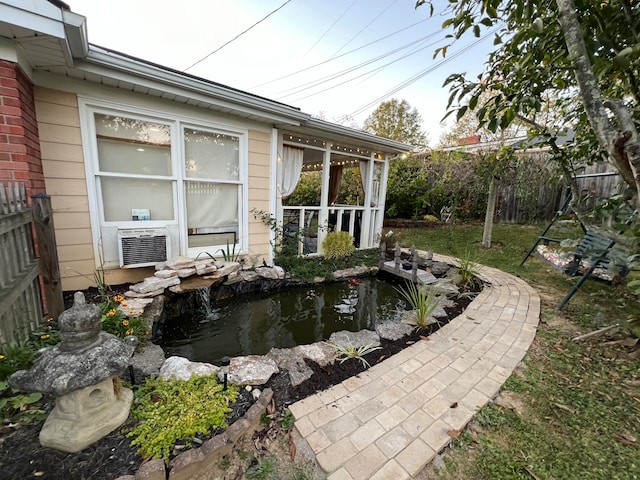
[390, 421]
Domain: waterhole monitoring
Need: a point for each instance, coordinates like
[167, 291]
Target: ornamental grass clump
[422, 300]
[468, 269]
[344, 353]
[338, 245]
[169, 411]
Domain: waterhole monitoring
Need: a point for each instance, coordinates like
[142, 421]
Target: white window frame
[88, 107]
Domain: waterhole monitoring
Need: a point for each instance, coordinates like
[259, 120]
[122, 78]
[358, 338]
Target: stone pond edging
[310, 422]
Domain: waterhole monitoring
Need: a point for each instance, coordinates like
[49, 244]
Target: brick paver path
[390, 421]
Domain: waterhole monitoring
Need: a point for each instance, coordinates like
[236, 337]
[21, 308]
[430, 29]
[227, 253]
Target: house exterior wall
[19, 148]
[63, 165]
[65, 176]
[259, 193]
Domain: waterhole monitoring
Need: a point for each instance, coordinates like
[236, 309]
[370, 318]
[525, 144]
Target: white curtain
[289, 170]
[364, 173]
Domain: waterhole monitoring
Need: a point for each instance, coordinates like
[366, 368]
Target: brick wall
[20, 158]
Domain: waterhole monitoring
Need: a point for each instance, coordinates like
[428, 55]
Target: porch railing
[305, 223]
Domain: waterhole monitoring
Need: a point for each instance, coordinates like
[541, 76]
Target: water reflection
[254, 324]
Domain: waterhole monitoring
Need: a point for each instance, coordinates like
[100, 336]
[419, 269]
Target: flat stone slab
[293, 359]
[148, 361]
[181, 368]
[250, 370]
[344, 338]
[391, 330]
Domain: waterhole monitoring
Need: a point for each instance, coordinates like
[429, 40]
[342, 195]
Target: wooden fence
[541, 201]
[21, 271]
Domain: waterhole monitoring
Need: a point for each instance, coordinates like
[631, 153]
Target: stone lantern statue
[81, 371]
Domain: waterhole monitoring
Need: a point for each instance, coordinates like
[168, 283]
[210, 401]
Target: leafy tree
[468, 125]
[397, 120]
[307, 192]
[585, 52]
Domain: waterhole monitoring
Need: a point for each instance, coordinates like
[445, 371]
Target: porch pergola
[330, 150]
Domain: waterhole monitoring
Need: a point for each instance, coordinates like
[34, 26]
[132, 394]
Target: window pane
[126, 145]
[212, 208]
[211, 155]
[122, 195]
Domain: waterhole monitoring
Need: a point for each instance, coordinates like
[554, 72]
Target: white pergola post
[382, 196]
[323, 216]
[365, 238]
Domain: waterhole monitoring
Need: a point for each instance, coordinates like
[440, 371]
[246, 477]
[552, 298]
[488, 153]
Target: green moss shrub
[338, 244]
[169, 411]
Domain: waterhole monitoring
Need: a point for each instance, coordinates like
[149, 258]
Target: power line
[363, 28]
[332, 25]
[359, 76]
[421, 74]
[363, 64]
[236, 37]
[340, 56]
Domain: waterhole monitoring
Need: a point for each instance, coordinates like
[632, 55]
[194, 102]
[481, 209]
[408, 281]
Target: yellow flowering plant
[121, 322]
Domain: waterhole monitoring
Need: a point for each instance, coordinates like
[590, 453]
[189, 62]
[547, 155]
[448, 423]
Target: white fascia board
[11, 52]
[358, 135]
[8, 51]
[128, 70]
[76, 31]
[41, 17]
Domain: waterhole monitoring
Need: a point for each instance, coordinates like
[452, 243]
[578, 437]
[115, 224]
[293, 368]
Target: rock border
[196, 463]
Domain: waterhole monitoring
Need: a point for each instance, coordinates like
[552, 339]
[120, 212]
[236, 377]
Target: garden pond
[252, 324]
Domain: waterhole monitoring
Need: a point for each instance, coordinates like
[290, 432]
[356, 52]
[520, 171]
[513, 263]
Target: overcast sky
[330, 58]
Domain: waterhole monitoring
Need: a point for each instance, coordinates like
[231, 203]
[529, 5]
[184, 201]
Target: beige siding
[259, 184]
[64, 170]
[77, 236]
[63, 166]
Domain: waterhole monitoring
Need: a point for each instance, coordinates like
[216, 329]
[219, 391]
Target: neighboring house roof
[53, 39]
[522, 142]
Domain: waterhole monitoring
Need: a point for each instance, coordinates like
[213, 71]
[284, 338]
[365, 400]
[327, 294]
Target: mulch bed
[22, 457]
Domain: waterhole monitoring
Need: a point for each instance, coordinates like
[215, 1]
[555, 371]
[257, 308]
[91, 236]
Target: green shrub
[264, 469]
[19, 407]
[173, 410]
[338, 245]
[14, 357]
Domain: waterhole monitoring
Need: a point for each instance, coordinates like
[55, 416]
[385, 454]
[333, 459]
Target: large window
[152, 173]
[212, 160]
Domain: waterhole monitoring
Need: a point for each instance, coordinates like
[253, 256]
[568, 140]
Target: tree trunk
[488, 218]
[623, 149]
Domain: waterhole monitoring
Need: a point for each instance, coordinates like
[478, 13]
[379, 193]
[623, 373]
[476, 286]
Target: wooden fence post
[50, 268]
[396, 259]
[414, 264]
[383, 253]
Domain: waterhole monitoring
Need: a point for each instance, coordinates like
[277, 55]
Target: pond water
[253, 324]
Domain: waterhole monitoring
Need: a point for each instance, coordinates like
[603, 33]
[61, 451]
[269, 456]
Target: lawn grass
[579, 414]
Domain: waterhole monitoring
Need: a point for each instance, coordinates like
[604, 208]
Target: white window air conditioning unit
[143, 247]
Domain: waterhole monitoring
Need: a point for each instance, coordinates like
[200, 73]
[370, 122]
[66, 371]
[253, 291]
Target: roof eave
[385, 144]
[243, 101]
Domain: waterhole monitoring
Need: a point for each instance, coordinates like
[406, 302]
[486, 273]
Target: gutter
[340, 130]
[163, 75]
